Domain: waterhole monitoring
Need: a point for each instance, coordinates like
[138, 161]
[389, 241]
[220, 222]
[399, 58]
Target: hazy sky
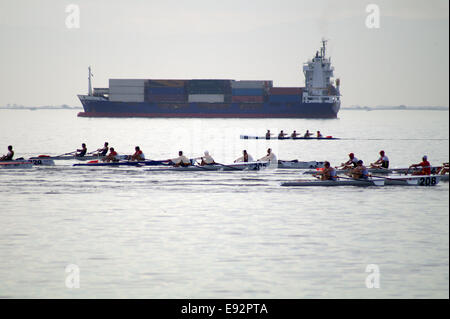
[405, 61]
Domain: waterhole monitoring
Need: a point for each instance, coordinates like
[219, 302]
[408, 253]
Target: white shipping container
[126, 82]
[206, 98]
[126, 90]
[249, 84]
[126, 97]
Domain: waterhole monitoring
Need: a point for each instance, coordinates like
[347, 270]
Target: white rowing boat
[250, 166]
[16, 164]
[346, 182]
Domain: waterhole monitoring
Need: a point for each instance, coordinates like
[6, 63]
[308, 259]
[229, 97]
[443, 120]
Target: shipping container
[247, 92]
[165, 90]
[247, 99]
[285, 91]
[251, 84]
[166, 83]
[284, 98]
[126, 82]
[181, 98]
[206, 98]
[126, 90]
[126, 97]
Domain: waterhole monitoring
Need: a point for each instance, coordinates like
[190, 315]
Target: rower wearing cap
[112, 156]
[351, 163]
[181, 160]
[9, 156]
[382, 162]
[103, 151]
[245, 158]
[360, 171]
[270, 157]
[81, 152]
[138, 155]
[426, 167]
[328, 173]
[268, 134]
[282, 135]
[207, 159]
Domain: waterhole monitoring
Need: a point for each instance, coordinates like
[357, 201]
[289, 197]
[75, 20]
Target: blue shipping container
[247, 92]
[165, 90]
[284, 98]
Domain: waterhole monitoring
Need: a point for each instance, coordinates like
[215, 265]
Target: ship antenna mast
[324, 47]
[90, 82]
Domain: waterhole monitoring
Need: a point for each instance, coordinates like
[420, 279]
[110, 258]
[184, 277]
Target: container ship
[201, 98]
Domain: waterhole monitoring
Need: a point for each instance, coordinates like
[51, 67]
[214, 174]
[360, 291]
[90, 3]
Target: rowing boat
[428, 180]
[16, 164]
[299, 165]
[325, 138]
[72, 157]
[250, 166]
[115, 164]
[347, 182]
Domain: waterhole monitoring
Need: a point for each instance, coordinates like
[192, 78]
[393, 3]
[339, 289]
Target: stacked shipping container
[250, 91]
[165, 91]
[285, 95]
[123, 90]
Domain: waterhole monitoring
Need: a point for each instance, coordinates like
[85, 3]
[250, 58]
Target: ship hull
[106, 108]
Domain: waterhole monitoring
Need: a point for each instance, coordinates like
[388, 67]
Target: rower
[351, 163]
[9, 156]
[360, 171]
[307, 134]
[138, 155]
[102, 151]
[426, 167]
[282, 134]
[319, 135]
[245, 158]
[382, 162]
[181, 160]
[207, 159]
[268, 134]
[270, 157]
[81, 152]
[112, 156]
[294, 134]
[328, 173]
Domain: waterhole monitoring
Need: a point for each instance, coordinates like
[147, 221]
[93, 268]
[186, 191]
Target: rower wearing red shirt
[138, 155]
[426, 167]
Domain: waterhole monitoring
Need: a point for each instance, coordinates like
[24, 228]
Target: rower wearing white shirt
[207, 159]
[270, 157]
[245, 158]
[181, 160]
[382, 162]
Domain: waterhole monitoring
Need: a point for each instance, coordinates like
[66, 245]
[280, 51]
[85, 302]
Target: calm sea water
[139, 234]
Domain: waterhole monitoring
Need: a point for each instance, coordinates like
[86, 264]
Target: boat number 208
[427, 181]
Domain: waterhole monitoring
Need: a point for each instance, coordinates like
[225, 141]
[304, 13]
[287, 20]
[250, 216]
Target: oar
[66, 154]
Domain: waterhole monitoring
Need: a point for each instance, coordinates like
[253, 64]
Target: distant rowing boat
[380, 170]
[115, 164]
[299, 165]
[249, 137]
[72, 157]
[250, 166]
[347, 182]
